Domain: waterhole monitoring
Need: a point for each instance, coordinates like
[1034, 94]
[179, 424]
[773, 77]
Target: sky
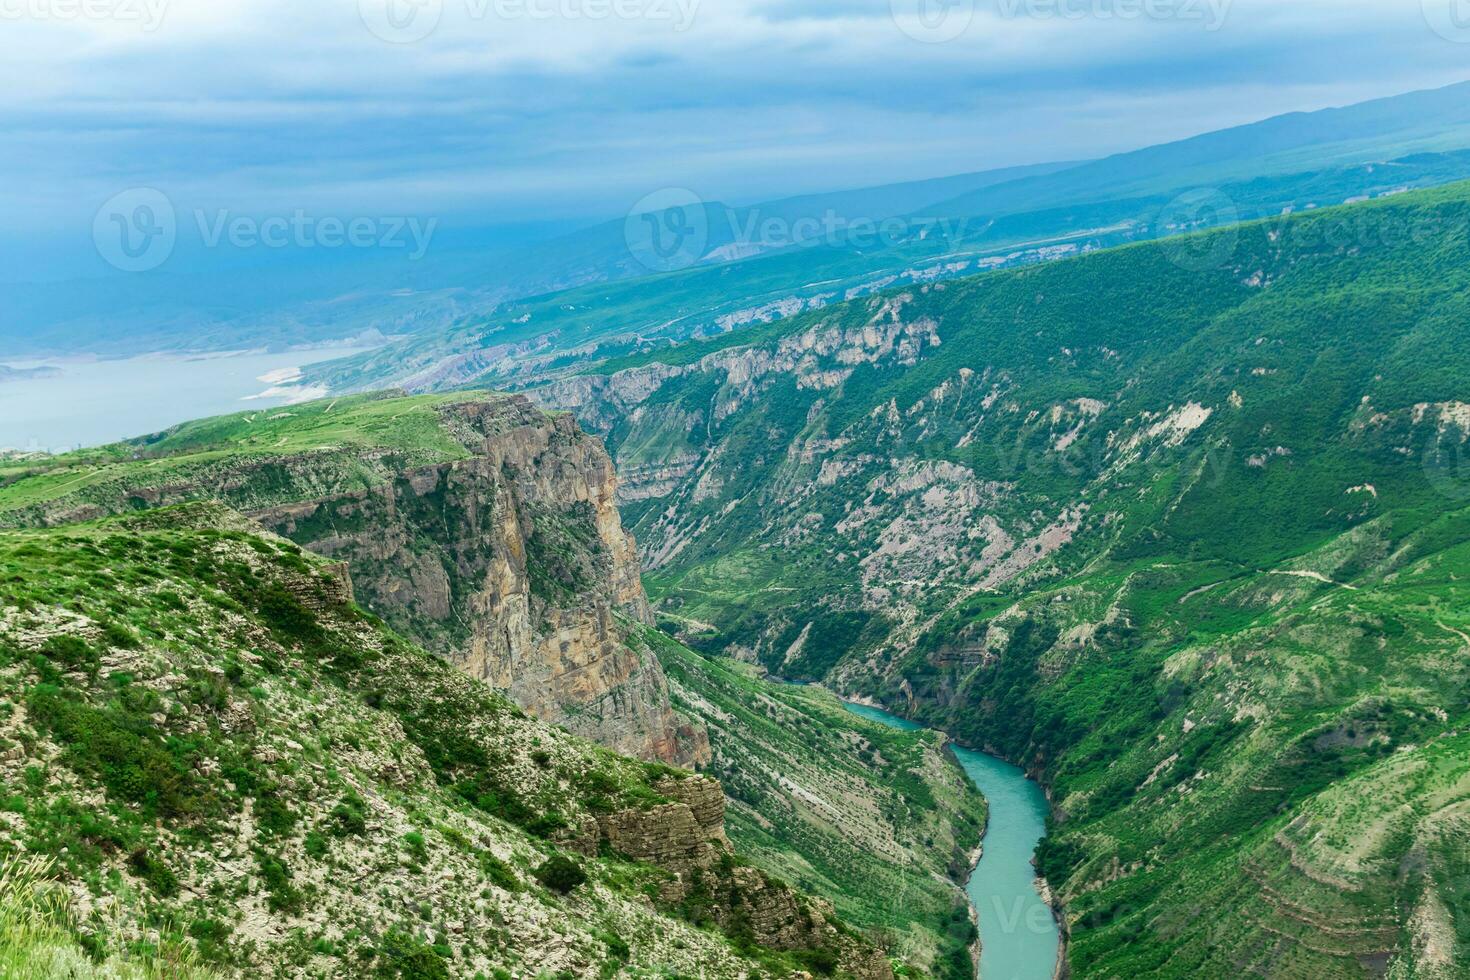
[550, 113]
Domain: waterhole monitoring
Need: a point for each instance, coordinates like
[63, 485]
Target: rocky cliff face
[500, 548]
[514, 564]
[687, 837]
[201, 728]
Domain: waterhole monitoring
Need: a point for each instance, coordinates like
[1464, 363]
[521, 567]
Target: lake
[1019, 938]
[91, 403]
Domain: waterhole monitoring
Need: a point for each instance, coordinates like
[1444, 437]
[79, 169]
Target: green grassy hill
[225, 767]
[895, 820]
[1178, 526]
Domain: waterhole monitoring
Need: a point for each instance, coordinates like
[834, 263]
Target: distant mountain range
[1300, 161]
[459, 314]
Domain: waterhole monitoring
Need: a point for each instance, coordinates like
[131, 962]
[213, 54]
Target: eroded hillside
[227, 766]
[1143, 521]
[477, 525]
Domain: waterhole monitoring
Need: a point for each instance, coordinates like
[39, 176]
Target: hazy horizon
[551, 114]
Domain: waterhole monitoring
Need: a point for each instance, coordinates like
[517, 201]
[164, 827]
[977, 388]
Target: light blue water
[1019, 939]
[90, 403]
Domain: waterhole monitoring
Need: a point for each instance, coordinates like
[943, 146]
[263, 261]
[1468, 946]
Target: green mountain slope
[878, 821]
[393, 488]
[1299, 161]
[228, 765]
[1178, 526]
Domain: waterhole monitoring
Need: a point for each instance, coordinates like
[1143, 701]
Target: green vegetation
[1179, 526]
[561, 874]
[874, 820]
[221, 767]
[37, 941]
[343, 434]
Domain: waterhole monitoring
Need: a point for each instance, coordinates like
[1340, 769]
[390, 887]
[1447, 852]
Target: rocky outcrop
[683, 835]
[512, 563]
[687, 837]
[481, 527]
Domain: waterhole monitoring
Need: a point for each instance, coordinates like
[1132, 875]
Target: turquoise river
[1019, 938]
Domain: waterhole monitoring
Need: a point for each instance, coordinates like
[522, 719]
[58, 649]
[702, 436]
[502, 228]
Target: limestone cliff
[476, 524]
[514, 564]
[687, 836]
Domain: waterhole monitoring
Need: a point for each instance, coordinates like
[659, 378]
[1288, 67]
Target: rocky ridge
[317, 797]
[502, 551]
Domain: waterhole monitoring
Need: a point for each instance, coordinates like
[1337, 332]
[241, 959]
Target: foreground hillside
[475, 523]
[1177, 526]
[227, 764]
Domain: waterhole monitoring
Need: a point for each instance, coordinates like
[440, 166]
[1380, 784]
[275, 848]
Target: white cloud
[275, 103]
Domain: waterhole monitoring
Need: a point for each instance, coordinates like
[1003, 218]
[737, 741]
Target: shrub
[282, 895]
[72, 652]
[498, 872]
[417, 849]
[401, 955]
[155, 872]
[349, 818]
[122, 750]
[822, 962]
[561, 874]
[118, 635]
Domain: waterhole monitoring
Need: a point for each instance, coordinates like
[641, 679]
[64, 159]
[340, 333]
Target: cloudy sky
[496, 111]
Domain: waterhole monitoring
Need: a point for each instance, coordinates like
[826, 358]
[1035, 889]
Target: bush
[282, 895]
[121, 748]
[349, 818]
[822, 962]
[499, 873]
[416, 846]
[401, 955]
[72, 652]
[155, 872]
[561, 874]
